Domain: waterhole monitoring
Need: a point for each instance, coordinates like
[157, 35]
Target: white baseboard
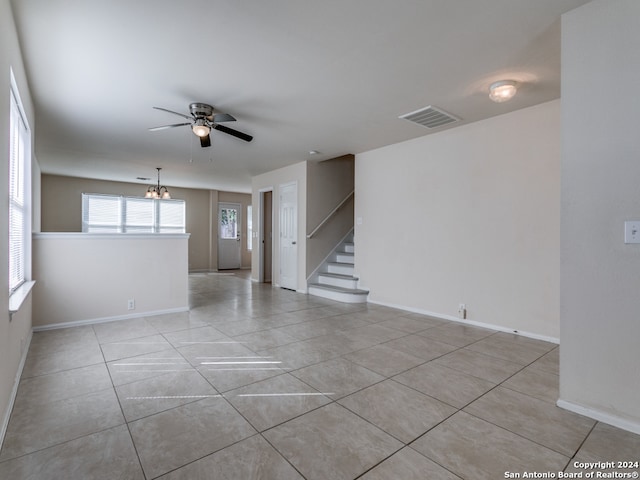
[91, 321]
[623, 423]
[14, 390]
[473, 323]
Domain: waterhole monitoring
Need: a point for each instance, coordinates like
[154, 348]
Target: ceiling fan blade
[188, 117]
[205, 141]
[164, 127]
[231, 131]
[223, 117]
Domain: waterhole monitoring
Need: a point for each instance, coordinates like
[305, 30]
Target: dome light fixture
[502, 91]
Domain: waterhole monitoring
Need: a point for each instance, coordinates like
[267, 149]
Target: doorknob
[293, 243]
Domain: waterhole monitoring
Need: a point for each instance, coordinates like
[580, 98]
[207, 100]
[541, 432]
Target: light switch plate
[632, 232]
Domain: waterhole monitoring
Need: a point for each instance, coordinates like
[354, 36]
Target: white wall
[90, 277]
[14, 332]
[600, 275]
[272, 181]
[469, 215]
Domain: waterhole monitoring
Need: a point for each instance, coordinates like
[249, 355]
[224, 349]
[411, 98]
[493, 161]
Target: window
[228, 223]
[117, 214]
[249, 227]
[19, 188]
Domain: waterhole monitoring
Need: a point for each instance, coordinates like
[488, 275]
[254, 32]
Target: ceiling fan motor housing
[199, 110]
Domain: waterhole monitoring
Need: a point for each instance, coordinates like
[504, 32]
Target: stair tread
[355, 291]
[337, 275]
[345, 264]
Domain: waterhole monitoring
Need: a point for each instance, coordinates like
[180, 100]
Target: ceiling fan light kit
[203, 119]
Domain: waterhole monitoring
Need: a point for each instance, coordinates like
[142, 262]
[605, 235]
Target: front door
[289, 236]
[229, 241]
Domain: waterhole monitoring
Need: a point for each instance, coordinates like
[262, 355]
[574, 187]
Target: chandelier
[157, 191]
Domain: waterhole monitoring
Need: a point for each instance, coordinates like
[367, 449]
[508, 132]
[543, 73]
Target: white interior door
[289, 236]
[229, 241]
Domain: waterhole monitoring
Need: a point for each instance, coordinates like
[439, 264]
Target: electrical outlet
[462, 310]
[131, 304]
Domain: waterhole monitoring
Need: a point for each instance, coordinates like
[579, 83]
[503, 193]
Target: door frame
[261, 233]
[297, 231]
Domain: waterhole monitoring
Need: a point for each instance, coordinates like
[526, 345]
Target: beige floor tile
[64, 358]
[408, 464]
[479, 365]
[123, 330]
[229, 377]
[331, 432]
[250, 459]
[457, 334]
[384, 360]
[62, 385]
[52, 341]
[104, 455]
[275, 400]
[153, 395]
[373, 334]
[133, 369]
[535, 383]
[608, 443]
[288, 347]
[338, 377]
[179, 436]
[191, 336]
[420, 347]
[537, 420]
[35, 427]
[511, 347]
[172, 322]
[549, 363]
[409, 325]
[478, 450]
[450, 386]
[398, 410]
[337, 344]
[265, 339]
[296, 355]
[134, 347]
[323, 326]
[217, 352]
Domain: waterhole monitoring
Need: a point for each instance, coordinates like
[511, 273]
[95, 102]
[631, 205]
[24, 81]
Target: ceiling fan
[202, 120]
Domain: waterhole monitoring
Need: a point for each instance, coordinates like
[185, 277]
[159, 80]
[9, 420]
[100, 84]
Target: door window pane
[228, 223]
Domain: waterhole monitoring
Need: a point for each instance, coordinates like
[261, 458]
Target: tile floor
[257, 382]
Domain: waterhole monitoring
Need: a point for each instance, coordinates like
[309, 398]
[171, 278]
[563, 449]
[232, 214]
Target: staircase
[335, 279]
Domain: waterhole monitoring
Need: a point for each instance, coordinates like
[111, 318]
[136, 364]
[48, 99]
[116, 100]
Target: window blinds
[118, 214]
[19, 136]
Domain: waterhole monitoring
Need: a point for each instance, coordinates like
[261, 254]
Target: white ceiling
[299, 75]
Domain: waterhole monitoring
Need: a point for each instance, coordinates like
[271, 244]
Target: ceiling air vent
[430, 117]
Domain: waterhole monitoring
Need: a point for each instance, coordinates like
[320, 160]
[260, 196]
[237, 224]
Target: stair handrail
[331, 214]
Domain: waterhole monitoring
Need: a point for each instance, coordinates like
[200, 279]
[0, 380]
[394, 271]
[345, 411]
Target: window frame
[154, 226]
[19, 201]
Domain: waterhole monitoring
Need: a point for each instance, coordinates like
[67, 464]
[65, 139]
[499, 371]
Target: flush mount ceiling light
[158, 191]
[502, 91]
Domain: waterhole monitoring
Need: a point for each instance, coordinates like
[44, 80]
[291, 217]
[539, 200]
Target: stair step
[345, 257]
[349, 247]
[347, 295]
[338, 279]
[340, 267]
[338, 275]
